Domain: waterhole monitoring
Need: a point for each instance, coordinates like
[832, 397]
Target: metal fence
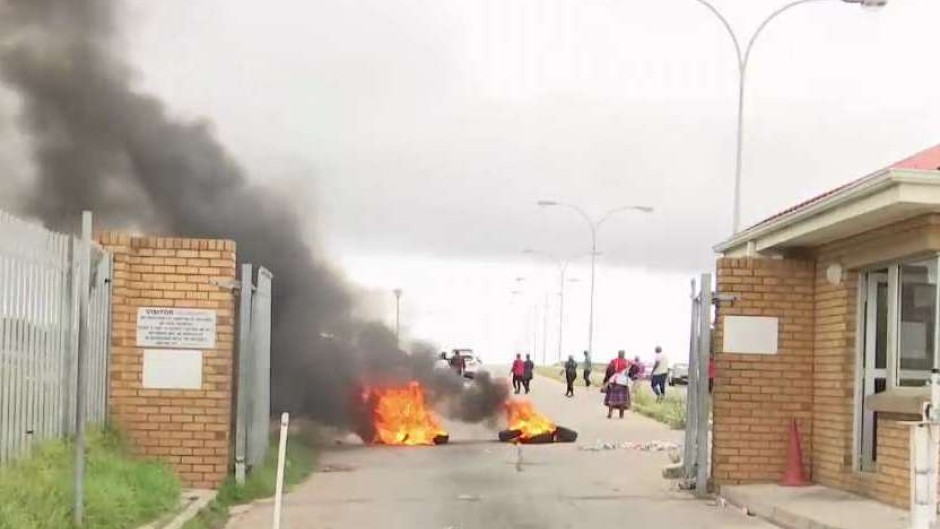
[696, 457]
[40, 284]
[253, 406]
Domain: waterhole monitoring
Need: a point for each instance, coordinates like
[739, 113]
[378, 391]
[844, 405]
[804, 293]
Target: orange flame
[401, 417]
[523, 417]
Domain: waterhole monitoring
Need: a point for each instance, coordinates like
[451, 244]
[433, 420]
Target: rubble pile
[648, 446]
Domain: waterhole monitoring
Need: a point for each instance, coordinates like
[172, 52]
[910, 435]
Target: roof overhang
[880, 199]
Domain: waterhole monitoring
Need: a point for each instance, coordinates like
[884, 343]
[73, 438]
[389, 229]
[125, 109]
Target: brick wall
[190, 429]
[893, 480]
[756, 396]
[834, 378]
[835, 364]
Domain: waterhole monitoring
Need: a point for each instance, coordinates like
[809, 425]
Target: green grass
[301, 459]
[122, 492]
[670, 412]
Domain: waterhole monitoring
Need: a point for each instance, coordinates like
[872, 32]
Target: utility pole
[545, 332]
[398, 316]
[84, 286]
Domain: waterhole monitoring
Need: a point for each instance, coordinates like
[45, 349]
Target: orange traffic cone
[794, 475]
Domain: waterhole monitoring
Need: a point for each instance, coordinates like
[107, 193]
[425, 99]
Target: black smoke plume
[99, 144]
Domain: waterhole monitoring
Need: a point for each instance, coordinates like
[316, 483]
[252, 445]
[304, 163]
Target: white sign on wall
[750, 335]
[179, 328]
[172, 369]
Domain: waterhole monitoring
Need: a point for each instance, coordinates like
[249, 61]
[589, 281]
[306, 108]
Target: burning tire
[559, 435]
[506, 436]
[565, 435]
[527, 426]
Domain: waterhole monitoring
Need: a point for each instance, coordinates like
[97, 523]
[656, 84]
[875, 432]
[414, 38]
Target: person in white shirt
[660, 370]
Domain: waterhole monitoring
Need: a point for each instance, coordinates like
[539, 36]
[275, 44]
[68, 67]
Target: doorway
[875, 288]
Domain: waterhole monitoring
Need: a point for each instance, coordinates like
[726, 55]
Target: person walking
[518, 371]
[587, 369]
[660, 371]
[457, 363]
[617, 388]
[528, 371]
[636, 372]
[571, 374]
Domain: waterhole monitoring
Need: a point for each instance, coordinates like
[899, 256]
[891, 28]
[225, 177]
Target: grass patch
[259, 484]
[121, 491]
[671, 411]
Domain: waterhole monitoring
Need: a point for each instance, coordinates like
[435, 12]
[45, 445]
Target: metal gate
[696, 457]
[253, 394]
[41, 282]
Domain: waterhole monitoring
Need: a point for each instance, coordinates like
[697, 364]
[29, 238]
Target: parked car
[472, 363]
[678, 374]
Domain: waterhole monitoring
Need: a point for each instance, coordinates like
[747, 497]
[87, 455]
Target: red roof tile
[926, 160]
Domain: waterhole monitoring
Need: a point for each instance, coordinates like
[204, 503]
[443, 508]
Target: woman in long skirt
[618, 389]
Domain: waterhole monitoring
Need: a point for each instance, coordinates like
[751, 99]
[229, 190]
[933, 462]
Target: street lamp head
[528, 251]
[644, 209]
[397, 292]
[548, 203]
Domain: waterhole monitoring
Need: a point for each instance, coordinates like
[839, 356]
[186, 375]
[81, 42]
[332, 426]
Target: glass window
[917, 302]
[881, 322]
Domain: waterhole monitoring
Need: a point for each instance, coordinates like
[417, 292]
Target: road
[475, 482]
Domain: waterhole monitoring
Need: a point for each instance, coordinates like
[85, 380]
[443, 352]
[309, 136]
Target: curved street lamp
[594, 225]
[744, 56]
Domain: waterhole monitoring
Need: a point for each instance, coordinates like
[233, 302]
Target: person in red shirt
[518, 372]
[617, 395]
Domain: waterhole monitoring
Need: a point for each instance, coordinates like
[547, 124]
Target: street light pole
[561, 307]
[562, 273]
[398, 316]
[744, 57]
[594, 227]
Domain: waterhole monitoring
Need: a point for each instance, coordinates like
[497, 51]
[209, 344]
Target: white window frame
[893, 359]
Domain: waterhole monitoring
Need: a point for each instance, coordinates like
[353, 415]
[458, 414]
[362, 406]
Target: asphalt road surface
[477, 483]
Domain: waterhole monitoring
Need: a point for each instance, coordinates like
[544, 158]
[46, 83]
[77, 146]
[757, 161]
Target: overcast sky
[418, 135]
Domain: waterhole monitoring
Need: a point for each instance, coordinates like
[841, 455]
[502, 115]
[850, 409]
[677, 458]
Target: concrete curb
[193, 501]
[766, 511]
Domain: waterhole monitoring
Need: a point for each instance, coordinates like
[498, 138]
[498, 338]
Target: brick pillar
[755, 395]
[188, 428]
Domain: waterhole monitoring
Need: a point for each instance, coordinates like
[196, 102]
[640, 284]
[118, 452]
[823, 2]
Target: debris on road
[649, 446]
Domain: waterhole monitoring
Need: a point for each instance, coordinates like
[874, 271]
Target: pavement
[475, 482]
[815, 507]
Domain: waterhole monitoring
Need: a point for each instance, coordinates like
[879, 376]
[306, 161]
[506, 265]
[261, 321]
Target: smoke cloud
[99, 144]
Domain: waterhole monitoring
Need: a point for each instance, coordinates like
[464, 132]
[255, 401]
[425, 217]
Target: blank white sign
[172, 369]
[751, 335]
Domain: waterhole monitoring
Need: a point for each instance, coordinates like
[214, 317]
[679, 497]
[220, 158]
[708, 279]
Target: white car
[678, 374]
[472, 363]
